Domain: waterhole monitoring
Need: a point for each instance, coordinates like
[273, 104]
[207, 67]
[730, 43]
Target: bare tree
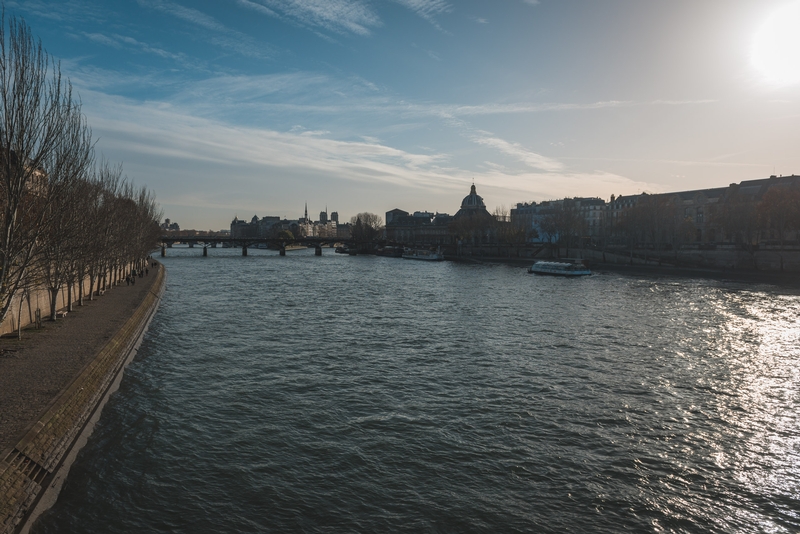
[736, 215]
[59, 243]
[562, 223]
[505, 231]
[35, 106]
[779, 211]
[366, 227]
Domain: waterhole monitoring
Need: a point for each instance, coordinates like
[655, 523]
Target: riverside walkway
[38, 372]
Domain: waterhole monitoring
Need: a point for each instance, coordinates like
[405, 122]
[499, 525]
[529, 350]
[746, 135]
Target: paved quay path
[35, 369]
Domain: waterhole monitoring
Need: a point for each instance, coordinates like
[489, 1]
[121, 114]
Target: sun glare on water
[776, 47]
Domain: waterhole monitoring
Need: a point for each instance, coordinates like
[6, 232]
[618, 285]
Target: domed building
[473, 224]
[472, 206]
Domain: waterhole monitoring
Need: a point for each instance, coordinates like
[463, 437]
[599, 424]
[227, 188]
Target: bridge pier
[169, 245]
[244, 250]
[214, 244]
[318, 251]
[163, 251]
[205, 252]
[191, 244]
[282, 251]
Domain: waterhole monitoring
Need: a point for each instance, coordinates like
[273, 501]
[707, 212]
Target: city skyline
[254, 106]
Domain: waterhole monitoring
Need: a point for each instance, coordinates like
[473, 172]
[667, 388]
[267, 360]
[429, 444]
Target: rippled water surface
[364, 394]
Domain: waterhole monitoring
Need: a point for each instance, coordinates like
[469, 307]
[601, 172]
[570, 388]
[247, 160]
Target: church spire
[306, 215]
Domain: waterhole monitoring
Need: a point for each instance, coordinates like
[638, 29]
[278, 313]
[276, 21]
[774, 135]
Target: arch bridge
[247, 242]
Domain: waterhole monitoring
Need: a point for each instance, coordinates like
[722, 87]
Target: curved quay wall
[32, 474]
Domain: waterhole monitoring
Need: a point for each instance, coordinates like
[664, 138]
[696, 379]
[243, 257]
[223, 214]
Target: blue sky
[243, 107]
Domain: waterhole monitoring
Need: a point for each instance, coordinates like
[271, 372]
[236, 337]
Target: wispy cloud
[341, 16]
[188, 14]
[169, 131]
[74, 11]
[102, 39]
[711, 162]
[221, 36]
[258, 8]
[338, 16]
[124, 41]
[523, 107]
[166, 145]
[680, 102]
[529, 158]
[427, 9]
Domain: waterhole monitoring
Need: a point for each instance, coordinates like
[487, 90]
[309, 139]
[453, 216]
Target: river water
[365, 394]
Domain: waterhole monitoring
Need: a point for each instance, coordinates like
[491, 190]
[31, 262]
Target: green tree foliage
[286, 235]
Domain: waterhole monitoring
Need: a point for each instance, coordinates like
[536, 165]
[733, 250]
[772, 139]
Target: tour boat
[560, 268]
[422, 254]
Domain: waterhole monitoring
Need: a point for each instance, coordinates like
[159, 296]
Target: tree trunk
[30, 311]
[53, 300]
[19, 325]
[69, 296]
[19, 319]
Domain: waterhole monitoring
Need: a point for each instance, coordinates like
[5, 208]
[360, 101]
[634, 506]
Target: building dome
[472, 206]
[472, 201]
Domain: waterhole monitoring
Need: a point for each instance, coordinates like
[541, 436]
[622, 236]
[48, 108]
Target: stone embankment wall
[774, 260]
[32, 473]
[766, 259]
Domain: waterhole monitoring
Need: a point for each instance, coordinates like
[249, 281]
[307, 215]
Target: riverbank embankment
[53, 385]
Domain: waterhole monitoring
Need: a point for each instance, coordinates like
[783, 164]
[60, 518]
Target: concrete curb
[33, 473]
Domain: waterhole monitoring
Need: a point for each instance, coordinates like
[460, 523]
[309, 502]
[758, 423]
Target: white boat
[560, 268]
[423, 254]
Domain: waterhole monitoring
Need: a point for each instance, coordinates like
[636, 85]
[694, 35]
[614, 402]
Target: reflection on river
[376, 394]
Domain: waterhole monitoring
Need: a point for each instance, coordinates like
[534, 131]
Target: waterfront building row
[272, 226]
[471, 224]
[753, 211]
[757, 211]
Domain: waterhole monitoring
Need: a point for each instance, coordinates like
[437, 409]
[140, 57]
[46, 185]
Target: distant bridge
[248, 242]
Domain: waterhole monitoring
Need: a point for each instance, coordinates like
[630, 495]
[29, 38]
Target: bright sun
[776, 47]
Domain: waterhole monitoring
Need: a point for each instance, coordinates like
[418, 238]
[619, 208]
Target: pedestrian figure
[133, 280]
[146, 271]
[127, 280]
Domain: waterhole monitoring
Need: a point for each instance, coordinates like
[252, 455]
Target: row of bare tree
[65, 217]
